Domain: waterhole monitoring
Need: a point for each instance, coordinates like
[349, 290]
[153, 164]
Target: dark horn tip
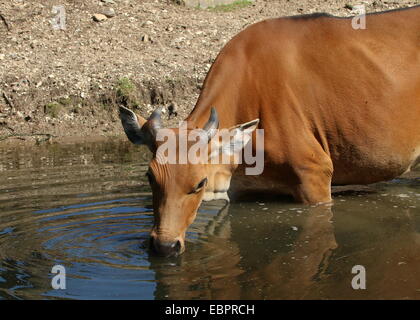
[213, 114]
[155, 119]
[213, 121]
[212, 124]
[156, 113]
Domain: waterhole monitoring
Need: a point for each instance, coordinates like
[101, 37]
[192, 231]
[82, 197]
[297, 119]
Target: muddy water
[88, 207]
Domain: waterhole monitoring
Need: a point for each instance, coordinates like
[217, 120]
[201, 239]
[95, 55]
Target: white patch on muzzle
[210, 195]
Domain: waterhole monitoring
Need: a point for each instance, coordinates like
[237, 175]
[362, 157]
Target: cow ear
[238, 137]
[132, 125]
[140, 130]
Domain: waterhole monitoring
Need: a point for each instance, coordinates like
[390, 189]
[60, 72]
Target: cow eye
[199, 186]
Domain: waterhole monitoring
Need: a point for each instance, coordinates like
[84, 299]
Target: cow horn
[156, 120]
[212, 124]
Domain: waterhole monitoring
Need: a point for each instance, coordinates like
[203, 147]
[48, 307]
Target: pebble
[402, 195]
[145, 38]
[173, 109]
[109, 13]
[99, 17]
[147, 23]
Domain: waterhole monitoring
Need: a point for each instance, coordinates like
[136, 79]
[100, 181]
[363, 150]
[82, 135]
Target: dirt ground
[68, 82]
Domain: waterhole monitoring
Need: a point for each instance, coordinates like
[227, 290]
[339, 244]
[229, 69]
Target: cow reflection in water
[224, 275]
[308, 257]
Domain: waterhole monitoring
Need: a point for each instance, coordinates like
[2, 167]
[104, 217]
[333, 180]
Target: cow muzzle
[165, 248]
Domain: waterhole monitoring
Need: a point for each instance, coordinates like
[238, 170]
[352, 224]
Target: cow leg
[314, 180]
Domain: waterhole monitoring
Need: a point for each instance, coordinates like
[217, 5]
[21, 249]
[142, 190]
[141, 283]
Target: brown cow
[338, 106]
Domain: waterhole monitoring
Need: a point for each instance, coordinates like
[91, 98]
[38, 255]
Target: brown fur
[337, 105]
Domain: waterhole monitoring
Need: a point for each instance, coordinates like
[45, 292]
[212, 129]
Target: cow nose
[167, 248]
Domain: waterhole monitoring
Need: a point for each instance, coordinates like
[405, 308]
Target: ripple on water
[88, 207]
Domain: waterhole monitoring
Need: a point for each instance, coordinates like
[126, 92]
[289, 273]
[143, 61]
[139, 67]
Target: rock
[147, 23]
[145, 38]
[109, 13]
[2, 56]
[99, 17]
[108, 1]
[172, 110]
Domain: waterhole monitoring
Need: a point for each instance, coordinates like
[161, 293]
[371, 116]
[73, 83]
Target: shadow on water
[88, 207]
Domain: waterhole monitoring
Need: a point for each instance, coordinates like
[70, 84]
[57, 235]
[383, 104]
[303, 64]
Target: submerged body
[337, 106]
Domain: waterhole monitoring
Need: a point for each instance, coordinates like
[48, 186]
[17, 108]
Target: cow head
[179, 187]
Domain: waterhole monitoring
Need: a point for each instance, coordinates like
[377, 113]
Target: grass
[126, 92]
[65, 101]
[53, 109]
[232, 6]
[125, 87]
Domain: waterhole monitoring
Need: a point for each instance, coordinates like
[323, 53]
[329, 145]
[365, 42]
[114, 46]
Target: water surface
[87, 207]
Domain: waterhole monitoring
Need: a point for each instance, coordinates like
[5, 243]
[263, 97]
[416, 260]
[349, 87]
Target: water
[88, 207]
